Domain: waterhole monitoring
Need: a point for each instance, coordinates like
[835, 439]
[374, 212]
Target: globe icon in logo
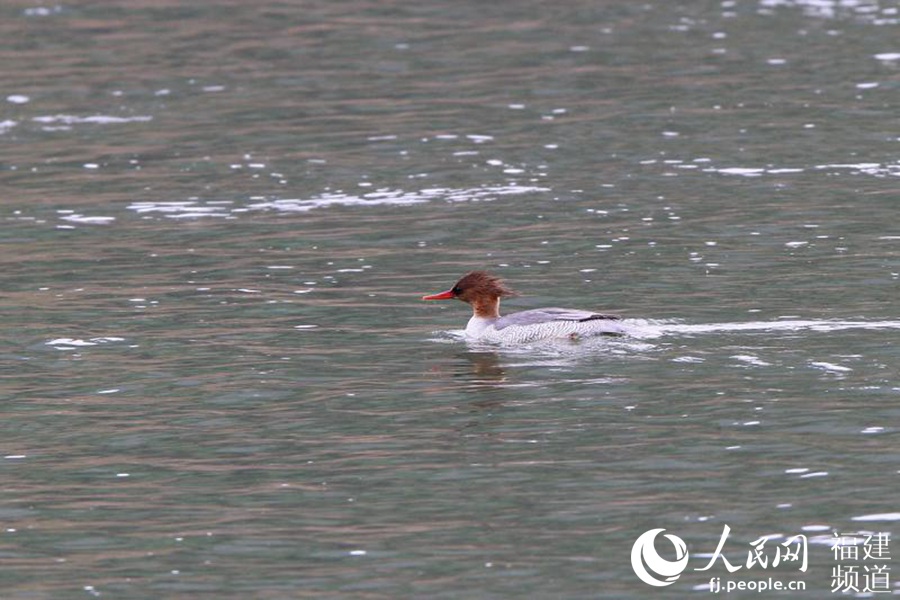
[653, 569]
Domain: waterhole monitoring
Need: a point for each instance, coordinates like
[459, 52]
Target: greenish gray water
[217, 378]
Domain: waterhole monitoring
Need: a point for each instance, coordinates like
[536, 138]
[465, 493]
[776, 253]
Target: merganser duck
[483, 291]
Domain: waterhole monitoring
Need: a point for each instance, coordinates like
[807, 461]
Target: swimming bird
[483, 291]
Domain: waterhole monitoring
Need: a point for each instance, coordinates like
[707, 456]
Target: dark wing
[547, 315]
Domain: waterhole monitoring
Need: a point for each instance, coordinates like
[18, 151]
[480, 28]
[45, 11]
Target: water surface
[217, 377]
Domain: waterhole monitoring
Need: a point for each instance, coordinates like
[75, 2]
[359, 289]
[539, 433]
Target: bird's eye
[456, 291]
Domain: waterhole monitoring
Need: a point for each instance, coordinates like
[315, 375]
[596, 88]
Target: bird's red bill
[448, 295]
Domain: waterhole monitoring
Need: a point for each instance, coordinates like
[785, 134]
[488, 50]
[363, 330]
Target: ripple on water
[895, 516]
[51, 120]
[176, 209]
[73, 343]
[86, 220]
[703, 165]
[830, 367]
[869, 12]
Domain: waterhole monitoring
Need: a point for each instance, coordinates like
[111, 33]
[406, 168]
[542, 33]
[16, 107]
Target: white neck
[477, 325]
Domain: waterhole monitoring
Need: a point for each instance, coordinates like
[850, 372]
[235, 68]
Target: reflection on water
[217, 377]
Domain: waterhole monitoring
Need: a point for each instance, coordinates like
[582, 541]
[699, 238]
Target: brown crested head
[480, 285]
